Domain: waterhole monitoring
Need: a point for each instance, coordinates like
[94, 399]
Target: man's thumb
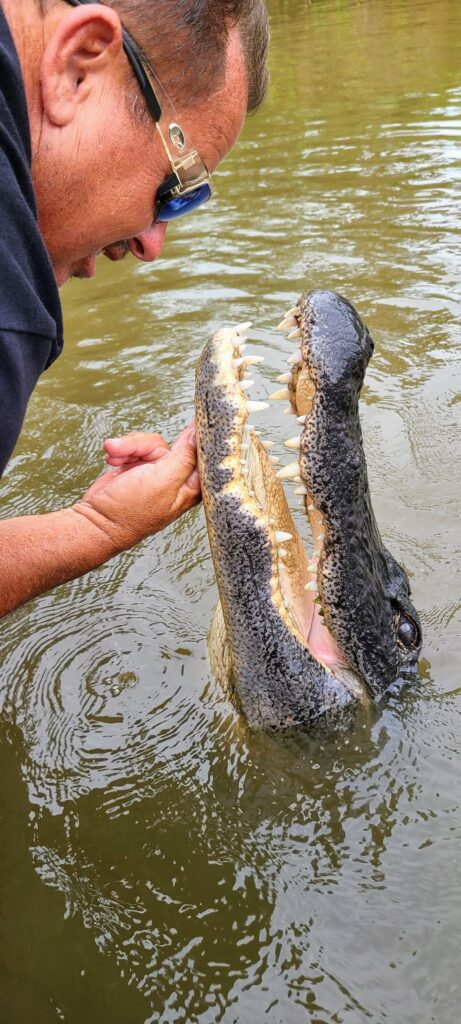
[185, 448]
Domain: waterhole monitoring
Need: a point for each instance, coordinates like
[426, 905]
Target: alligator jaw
[236, 468]
[300, 639]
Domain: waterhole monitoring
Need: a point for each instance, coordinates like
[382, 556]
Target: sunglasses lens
[176, 206]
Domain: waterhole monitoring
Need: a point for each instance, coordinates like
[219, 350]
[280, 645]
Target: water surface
[161, 863]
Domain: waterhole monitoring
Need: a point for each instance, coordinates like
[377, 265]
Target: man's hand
[150, 484]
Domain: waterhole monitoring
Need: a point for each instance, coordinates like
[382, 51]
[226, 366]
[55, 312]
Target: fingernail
[192, 438]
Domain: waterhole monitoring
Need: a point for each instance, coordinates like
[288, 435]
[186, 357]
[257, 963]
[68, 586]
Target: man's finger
[135, 447]
[178, 464]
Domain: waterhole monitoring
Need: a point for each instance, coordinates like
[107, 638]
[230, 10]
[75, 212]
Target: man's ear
[81, 46]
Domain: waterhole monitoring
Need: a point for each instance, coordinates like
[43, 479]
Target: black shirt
[30, 311]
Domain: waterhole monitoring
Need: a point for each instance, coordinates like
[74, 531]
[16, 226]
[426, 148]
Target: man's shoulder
[13, 106]
[29, 300]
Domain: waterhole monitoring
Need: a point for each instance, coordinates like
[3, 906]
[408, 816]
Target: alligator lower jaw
[246, 475]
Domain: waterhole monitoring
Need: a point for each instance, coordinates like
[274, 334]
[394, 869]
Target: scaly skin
[288, 655]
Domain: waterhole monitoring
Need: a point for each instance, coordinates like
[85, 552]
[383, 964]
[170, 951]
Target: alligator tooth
[301, 420]
[285, 378]
[321, 537]
[311, 508]
[311, 586]
[294, 311]
[295, 334]
[288, 321]
[280, 396]
[297, 357]
[293, 442]
[274, 459]
[257, 406]
[316, 554]
[267, 444]
[254, 360]
[312, 567]
[289, 472]
[301, 490]
[245, 385]
[242, 346]
[281, 536]
[298, 479]
[247, 361]
[283, 553]
[288, 411]
[241, 328]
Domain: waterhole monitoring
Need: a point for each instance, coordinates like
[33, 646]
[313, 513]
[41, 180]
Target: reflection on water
[174, 865]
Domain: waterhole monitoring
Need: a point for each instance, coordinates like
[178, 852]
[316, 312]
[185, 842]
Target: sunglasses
[189, 184]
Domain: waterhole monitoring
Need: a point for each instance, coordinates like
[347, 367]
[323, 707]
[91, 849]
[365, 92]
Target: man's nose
[148, 244]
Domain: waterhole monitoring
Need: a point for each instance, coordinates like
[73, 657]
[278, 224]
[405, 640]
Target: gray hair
[186, 40]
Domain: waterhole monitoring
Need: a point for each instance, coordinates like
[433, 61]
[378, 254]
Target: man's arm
[148, 486]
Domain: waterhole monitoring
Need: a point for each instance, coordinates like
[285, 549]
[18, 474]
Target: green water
[159, 862]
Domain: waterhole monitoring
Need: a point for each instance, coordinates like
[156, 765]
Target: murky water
[159, 862]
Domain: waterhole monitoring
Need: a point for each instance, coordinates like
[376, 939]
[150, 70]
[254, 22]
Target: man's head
[98, 160]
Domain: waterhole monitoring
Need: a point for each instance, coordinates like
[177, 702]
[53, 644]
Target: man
[90, 146]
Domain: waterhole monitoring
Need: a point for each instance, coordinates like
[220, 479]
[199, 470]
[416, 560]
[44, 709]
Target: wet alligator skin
[256, 644]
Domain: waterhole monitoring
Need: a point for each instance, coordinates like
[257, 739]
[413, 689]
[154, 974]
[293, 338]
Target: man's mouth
[87, 267]
[117, 251]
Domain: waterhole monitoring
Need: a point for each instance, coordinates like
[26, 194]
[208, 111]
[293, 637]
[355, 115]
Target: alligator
[299, 640]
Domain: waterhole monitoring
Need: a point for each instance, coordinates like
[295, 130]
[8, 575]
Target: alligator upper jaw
[235, 464]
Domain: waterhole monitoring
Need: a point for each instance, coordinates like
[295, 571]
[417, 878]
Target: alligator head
[298, 639]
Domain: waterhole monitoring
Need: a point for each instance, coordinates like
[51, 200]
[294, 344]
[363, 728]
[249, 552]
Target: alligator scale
[299, 639]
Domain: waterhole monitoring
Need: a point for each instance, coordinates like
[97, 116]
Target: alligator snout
[298, 638]
[337, 344]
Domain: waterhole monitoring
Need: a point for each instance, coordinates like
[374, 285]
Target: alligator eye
[407, 633]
